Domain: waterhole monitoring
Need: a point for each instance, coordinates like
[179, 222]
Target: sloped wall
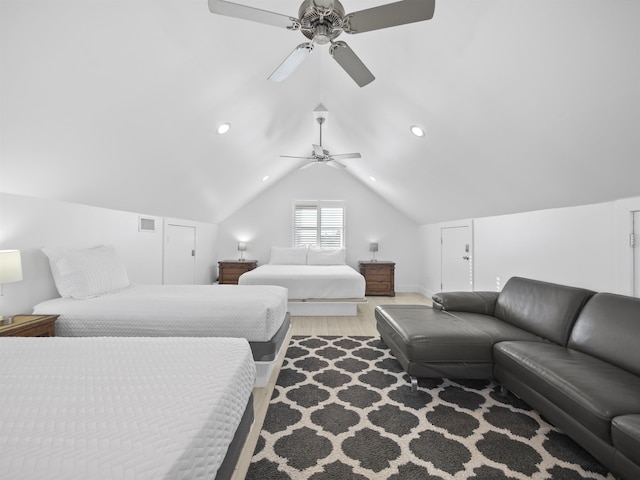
[267, 221]
[29, 223]
[585, 246]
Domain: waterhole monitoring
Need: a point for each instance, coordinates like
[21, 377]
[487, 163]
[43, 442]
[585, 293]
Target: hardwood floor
[362, 325]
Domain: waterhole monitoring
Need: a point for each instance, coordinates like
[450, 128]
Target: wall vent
[146, 224]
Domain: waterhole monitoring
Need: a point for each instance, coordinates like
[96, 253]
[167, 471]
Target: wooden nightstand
[30, 326]
[230, 270]
[379, 277]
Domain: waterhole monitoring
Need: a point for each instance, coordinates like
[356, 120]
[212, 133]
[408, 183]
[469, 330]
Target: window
[319, 224]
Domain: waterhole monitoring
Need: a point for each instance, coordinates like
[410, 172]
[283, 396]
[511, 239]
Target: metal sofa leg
[414, 384]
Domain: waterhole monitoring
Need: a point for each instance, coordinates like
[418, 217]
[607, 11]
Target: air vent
[146, 224]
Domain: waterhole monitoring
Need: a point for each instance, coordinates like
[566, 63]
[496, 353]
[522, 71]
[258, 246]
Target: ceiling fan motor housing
[319, 23]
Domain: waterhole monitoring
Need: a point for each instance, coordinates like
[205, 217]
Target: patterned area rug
[343, 409]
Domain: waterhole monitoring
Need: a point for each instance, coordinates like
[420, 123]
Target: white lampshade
[242, 246]
[373, 247]
[10, 266]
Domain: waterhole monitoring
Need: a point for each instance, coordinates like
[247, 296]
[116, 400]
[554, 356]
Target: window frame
[318, 206]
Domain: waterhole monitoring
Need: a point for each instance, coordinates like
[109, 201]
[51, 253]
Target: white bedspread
[250, 312]
[125, 408]
[309, 281]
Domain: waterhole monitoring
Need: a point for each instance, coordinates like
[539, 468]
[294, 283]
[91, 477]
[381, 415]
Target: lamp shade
[10, 266]
[242, 246]
[373, 247]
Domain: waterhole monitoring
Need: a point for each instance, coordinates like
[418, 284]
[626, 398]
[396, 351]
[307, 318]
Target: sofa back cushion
[546, 309]
[609, 328]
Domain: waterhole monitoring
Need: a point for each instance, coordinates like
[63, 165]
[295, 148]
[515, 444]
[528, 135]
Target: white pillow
[326, 256]
[288, 256]
[88, 272]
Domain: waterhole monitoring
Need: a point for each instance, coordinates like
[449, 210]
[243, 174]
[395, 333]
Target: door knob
[466, 257]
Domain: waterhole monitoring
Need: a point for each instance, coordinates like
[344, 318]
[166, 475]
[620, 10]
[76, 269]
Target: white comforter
[125, 408]
[309, 281]
[253, 313]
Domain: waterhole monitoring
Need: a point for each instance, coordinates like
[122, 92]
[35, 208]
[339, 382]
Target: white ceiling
[527, 105]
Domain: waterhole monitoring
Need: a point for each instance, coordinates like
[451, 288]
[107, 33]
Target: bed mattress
[305, 282]
[255, 313]
[127, 408]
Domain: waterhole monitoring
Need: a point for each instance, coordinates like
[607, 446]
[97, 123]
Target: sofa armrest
[474, 302]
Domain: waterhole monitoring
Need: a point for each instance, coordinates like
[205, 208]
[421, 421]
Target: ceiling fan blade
[346, 156]
[390, 15]
[317, 149]
[291, 156]
[351, 64]
[335, 164]
[292, 62]
[245, 12]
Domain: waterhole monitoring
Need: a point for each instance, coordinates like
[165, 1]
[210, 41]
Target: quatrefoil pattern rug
[343, 409]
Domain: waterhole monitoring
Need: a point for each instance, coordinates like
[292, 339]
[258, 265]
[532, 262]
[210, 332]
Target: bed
[318, 281]
[128, 408]
[98, 300]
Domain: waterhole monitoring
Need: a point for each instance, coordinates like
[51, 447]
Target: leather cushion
[424, 334]
[475, 302]
[546, 309]
[625, 431]
[590, 390]
[609, 328]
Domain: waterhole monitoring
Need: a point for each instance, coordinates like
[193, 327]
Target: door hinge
[632, 240]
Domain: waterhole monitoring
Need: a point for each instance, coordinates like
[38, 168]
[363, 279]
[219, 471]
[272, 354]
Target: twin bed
[127, 408]
[160, 385]
[255, 313]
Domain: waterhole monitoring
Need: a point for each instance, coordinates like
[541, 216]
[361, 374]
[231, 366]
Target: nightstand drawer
[378, 288]
[378, 276]
[30, 326]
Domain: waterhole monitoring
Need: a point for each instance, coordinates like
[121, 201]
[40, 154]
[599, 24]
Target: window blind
[318, 225]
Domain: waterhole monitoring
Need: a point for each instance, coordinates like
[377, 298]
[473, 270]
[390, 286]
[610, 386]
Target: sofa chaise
[570, 353]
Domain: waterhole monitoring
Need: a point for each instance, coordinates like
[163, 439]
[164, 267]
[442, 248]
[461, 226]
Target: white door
[456, 259]
[179, 255]
[636, 254]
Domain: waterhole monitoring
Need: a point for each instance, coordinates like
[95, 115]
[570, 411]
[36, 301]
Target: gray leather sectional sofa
[570, 353]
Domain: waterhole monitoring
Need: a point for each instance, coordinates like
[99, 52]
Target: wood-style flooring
[363, 324]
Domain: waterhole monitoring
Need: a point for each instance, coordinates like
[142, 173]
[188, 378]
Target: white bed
[98, 300]
[126, 408]
[255, 313]
[319, 283]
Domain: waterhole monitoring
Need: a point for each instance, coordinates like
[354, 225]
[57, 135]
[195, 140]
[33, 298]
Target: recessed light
[417, 131]
[265, 178]
[373, 179]
[224, 128]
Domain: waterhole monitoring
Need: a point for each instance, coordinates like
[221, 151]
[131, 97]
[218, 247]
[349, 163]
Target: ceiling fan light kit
[322, 21]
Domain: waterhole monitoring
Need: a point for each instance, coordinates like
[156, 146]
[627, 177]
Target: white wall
[571, 246]
[267, 221]
[28, 224]
[585, 246]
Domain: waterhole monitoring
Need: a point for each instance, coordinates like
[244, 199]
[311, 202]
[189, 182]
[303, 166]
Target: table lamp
[10, 271]
[242, 247]
[373, 248]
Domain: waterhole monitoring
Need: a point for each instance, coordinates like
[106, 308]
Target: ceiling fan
[319, 154]
[322, 21]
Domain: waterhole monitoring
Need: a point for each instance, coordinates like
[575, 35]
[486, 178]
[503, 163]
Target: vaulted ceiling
[526, 105]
